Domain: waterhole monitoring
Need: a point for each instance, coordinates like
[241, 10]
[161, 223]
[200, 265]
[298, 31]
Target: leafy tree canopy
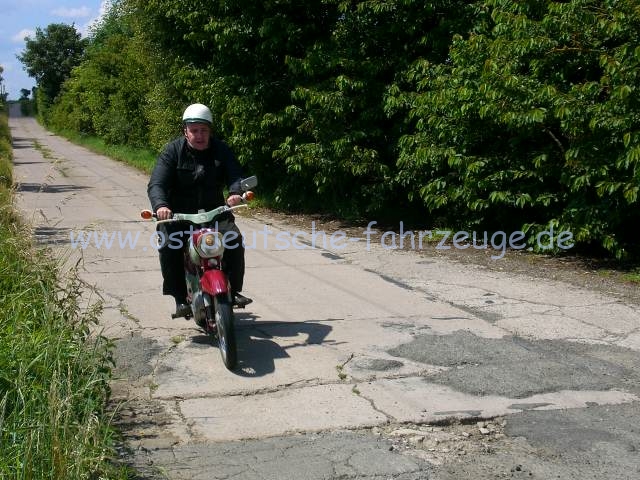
[51, 55]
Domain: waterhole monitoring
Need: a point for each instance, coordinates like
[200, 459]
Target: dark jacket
[186, 180]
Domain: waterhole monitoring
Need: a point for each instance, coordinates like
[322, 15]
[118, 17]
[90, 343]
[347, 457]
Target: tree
[50, 57]
[25, 103]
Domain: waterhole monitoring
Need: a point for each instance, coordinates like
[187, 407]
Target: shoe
[241, 301]
[182, 310]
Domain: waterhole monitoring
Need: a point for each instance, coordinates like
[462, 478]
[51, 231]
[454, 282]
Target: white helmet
[197, 113]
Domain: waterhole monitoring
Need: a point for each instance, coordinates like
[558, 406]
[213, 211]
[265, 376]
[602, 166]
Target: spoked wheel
[225, 331]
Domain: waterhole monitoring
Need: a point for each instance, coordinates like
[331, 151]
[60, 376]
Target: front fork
[202, 290]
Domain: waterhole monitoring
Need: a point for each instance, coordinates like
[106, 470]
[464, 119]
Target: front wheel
[226, 332]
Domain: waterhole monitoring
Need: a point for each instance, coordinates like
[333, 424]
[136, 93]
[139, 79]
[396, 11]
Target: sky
[20, 18]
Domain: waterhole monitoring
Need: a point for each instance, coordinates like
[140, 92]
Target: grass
[54, 373]
[44, 151]
[6, 178]
[632, 277]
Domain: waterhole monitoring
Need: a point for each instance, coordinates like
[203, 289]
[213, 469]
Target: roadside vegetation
[53, 372]
[479, 114]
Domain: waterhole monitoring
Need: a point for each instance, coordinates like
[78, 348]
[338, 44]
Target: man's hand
[164, 213]
[234, 200]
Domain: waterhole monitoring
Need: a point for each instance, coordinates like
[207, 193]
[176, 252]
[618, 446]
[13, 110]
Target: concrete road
[356, 361]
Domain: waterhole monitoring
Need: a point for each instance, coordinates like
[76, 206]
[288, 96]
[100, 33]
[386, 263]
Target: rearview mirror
[248, 183]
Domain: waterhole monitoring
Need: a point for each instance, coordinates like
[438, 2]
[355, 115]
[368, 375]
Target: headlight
[210, 245]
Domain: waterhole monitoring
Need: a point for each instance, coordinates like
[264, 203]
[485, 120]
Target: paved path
[348, 356]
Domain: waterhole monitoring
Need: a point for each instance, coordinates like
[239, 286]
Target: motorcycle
[208, 289]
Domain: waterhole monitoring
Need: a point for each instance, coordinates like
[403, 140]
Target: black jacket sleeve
[163, 176]
[232, 167]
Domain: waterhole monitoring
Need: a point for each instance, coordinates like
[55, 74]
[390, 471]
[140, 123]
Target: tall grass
[5, 156]
[53, 373]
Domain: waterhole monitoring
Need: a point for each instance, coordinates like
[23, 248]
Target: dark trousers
[172, 257]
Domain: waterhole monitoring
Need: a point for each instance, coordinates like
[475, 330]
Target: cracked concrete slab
[307, 409]
[324, 456]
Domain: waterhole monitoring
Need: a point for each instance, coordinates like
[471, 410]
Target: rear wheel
[226, 332]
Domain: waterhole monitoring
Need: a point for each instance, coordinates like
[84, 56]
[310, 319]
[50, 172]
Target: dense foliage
[485, 114]
[534, 120]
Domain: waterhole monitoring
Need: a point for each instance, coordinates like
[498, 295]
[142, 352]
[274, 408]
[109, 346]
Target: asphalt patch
[517, 368]
[377, 364]
[133, 357]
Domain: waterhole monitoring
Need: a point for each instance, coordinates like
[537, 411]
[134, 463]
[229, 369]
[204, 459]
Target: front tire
[226, 332]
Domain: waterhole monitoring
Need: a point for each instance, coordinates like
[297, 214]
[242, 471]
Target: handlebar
[200, 217]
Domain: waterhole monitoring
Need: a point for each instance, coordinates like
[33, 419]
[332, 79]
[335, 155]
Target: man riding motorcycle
[190, 174]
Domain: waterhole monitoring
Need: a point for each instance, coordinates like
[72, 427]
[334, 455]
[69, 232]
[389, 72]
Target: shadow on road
[22, 142]
[47, 188]
[45, 235]
[257, 351]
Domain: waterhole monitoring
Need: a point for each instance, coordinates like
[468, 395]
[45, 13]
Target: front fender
[214, 282]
